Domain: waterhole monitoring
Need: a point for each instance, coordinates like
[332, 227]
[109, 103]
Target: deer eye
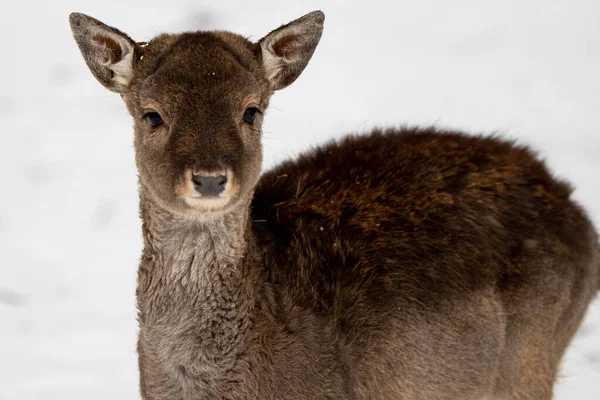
[250, 114]
[154, 119]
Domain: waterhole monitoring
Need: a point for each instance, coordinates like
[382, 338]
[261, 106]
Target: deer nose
[209, 185]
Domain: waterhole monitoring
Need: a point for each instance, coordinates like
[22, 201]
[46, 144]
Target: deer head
[197, 100]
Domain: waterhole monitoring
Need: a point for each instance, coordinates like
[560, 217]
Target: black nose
[209, 185]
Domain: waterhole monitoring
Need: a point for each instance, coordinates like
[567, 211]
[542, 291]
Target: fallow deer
[407, 263]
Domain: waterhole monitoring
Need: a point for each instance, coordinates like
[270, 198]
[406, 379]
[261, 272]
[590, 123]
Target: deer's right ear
[285, 52]
[108, 52]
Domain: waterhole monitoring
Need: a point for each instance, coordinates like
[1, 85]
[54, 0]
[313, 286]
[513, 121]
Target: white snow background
[69, 229]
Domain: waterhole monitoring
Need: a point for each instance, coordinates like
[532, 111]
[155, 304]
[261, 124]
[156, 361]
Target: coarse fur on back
[400, 264]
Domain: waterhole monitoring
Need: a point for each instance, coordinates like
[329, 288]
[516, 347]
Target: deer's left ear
[285, 52]
[108, 52]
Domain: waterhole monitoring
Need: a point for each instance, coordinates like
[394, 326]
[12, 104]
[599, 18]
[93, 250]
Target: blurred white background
[69, 230]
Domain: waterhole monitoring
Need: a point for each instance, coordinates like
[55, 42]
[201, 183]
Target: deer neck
[195, 287]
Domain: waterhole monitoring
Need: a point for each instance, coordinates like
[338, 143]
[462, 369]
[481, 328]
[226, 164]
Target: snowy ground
[69, 232]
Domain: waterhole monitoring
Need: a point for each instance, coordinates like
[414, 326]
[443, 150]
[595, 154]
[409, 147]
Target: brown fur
[402, 264]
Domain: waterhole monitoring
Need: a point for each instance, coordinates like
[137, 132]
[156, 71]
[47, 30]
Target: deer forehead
[199, 61]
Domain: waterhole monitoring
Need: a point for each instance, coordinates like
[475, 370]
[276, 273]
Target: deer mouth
[207, 203]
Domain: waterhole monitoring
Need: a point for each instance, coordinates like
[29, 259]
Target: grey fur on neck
[195, 293]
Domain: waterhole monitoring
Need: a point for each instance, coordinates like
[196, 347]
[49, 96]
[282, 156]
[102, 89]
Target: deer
[403, 263]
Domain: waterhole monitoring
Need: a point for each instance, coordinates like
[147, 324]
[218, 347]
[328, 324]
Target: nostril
[197, 179]
[209, 185]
